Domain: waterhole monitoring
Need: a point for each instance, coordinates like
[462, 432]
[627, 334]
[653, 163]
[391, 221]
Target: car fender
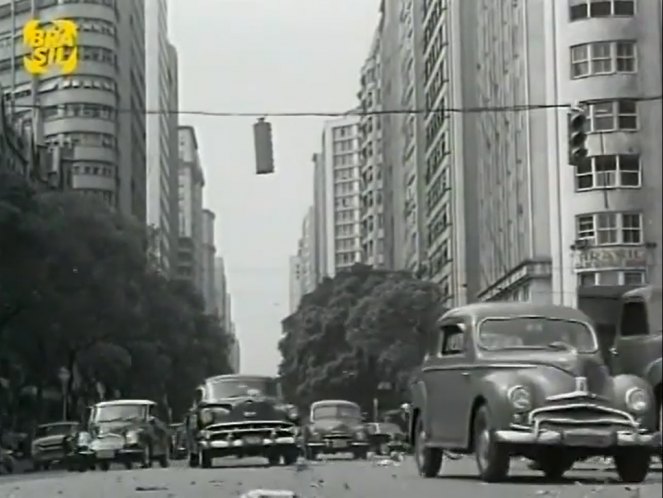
[653, 372]
[492, 392]
[419, 399]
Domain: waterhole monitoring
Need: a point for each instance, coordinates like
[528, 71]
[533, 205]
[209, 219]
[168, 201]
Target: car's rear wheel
[194, 460]
[290, 456]
[632, 466]
[428, 460]
[360, 454]
[492, 458]
[274, 459]
[128, 464]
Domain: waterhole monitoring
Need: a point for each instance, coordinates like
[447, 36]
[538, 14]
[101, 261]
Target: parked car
[48, 445]
[242, 416]
[385, 437]
[527, 380]
[178, 447]
[122, 431]
[336, 426]
[637, 347]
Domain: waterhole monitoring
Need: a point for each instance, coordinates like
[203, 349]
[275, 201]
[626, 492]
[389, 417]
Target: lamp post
[64, 376]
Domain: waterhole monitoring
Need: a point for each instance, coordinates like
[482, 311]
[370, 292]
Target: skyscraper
[80, 111]
[162, 157]
[337, 208]
[208, 256]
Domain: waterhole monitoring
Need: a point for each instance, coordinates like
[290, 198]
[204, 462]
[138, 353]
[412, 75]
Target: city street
[329, 479]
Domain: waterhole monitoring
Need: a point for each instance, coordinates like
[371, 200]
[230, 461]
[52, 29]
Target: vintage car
[521, 379]
[178, 448]
[637, 347]
[335, 426]
[121, 431]
[385, 438]
[242, 416]
[48, 444]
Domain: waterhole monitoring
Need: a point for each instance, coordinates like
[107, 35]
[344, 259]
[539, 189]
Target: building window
[585, 9]
[603, 58]
[611, 171]
[605, 229]
[612, 278]
[613, 115]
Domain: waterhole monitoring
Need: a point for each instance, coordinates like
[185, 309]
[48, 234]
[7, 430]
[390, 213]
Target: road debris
[269, 493]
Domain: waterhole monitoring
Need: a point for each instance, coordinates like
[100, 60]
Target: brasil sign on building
[52, 46]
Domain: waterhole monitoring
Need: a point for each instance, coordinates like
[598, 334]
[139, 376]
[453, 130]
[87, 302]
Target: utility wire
[359, 112]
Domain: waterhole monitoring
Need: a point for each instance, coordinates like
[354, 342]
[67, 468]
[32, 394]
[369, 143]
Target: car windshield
[497, 334]
[336, 411]
[54, 430]
[118, 413]
[236, 388]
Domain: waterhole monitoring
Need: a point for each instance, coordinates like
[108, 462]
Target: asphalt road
[328, 479]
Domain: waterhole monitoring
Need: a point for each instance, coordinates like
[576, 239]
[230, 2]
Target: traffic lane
[324, 479]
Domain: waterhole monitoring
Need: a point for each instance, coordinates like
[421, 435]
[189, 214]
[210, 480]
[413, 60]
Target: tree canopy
[78, 290]
[361, 329]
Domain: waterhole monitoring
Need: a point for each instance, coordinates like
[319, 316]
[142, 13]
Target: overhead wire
[356, 111]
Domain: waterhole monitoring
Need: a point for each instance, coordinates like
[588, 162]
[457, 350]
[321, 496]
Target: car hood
[336, 425]
[104, 429]
[556, 373]
[243, 409]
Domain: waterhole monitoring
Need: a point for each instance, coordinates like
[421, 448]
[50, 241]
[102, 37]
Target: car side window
[634, 319]
[453, 340]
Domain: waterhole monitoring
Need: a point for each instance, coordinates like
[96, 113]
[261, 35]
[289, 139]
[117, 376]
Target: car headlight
[292, 412]
[204, 434]
[313, 434]
[206, 417]
[360, 434]
[637, 400]
[520, 398]
[132, 437]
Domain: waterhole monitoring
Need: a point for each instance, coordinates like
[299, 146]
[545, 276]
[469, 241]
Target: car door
[636, 345]
[446, 386]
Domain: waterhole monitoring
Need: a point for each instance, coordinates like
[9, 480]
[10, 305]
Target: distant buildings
[224, 311]
[162, 154]
[80, 112]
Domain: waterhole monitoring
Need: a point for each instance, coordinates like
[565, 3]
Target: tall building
[191, 183]
[80, 111]
[402, 87]
[371, 169]
[295, 281]
[336, 190]
[552, 232]
[223, 300]
[235, 351]
[162, 157]
[208, 255]
[450, 181]
[173, 178]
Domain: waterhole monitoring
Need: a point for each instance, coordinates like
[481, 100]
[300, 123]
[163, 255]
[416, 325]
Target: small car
[385, 437]
[336, 426]
[637, 346]
[121, 431]
[527, 380]
[242, 416]
[48, 446]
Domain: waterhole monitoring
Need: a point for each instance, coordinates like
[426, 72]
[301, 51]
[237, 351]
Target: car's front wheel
[632, 466]
[194, 460]
[205, 460]
[492, 458]
[428, 460]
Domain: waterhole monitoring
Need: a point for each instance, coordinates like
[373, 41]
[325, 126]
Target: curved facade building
[89, 111]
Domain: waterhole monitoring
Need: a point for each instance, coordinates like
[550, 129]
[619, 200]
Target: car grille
[243, 429]
[579, 414]
[50, 446]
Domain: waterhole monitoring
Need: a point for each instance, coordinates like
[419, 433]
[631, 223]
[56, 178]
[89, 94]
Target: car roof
[480, 311]
[327, 402]
[54, 424]
[125, 402]
[239, 377]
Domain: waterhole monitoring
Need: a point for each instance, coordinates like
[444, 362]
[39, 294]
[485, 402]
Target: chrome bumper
[238, 443]
[589, 439]
[324, 444]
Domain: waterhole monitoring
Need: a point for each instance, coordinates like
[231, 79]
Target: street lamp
[64, 376]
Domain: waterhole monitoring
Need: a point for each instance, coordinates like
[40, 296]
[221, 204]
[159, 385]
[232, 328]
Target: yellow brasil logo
[53, 46]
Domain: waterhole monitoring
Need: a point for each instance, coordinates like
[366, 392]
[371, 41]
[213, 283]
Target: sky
[264, 56]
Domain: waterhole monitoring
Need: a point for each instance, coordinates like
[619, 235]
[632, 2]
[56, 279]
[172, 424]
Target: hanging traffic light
[262, 138]
[577, 122]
